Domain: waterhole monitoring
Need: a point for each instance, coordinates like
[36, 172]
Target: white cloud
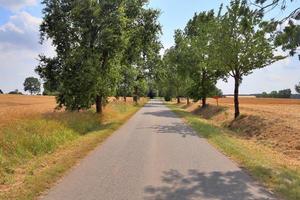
[15, 5]
[19, 50]
[22, 30]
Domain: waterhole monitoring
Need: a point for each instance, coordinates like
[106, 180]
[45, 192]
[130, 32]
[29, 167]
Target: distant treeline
[286, 93]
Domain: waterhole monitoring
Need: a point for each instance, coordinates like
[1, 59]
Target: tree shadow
[231, 185]
[162, 113]
[209, 111]
[248, 125]
[175, 128]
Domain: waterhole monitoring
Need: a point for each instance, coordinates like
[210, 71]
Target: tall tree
[32, 85]
[202, 42]
[91, 38]
[174, 79]
[246, 44]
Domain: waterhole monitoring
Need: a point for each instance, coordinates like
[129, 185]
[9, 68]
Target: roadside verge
[27, 176]
[274, 170]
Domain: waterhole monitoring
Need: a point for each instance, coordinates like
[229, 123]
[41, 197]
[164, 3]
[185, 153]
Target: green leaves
[32, 85]
[93, 41]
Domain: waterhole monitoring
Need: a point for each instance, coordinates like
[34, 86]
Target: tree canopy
[94, 42]
[32, 85]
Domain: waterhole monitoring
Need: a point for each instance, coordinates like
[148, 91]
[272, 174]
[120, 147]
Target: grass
[273, 169]
[34, 153]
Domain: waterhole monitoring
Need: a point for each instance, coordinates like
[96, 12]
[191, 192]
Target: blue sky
[19, 47]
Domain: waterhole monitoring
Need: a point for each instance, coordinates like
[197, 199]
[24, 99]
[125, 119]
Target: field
[38, 143]
[264, 140]
[273, 122]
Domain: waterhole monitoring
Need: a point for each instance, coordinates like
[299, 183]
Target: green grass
[269, 167]
[34, 153]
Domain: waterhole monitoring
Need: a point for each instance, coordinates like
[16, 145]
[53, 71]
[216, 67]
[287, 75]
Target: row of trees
[103, 48]
[286, 93]
[31, 84]
[218, 46]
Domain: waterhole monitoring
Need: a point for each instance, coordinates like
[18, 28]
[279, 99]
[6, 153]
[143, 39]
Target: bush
[167, 98]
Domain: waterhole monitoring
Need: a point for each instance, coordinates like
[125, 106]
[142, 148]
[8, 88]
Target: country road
[155, 156]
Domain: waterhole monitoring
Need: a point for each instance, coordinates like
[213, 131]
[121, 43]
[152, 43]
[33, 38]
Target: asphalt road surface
[156, 156]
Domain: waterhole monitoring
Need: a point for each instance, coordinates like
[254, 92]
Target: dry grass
[37, 145]
[272, 122]
[16, 107]
[276, 170]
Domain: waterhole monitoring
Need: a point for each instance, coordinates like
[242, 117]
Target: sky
[19, 43]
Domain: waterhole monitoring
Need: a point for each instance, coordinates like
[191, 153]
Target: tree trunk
[135, 96]
[99, 105]
[178, 100]
[236, 97]
[204, 102]
[125, 99]
[188, 101]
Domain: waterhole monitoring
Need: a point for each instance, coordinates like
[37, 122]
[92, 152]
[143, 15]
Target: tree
[289, 38]
[246, 44]
[91, 40]
[297, 88]
[174, 80]
[50, 71]
[32, 85]
[143, 49]
[286, 93]
[202, 47]
[16, 91]
[171, 81]
[267, 5]
[126, 84]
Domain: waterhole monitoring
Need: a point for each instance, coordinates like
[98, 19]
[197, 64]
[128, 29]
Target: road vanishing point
[156, 156]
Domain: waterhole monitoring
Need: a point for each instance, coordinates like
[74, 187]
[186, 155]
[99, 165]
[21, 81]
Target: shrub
[167, 98]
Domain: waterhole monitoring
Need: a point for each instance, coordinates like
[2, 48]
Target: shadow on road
[176, 128]
[162, 113]
[230, 185]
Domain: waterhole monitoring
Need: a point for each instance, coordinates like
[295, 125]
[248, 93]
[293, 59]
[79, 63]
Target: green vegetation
[214, 47]
[264, 164]
[103, 48]
[32, 85]
[16, 91]
[287, 93]
[56, 140]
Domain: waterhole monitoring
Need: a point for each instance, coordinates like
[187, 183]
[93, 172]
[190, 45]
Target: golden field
[38, 143]
[14, 107]
[272, 122]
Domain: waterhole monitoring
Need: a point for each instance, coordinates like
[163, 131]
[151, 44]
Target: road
[155, 156]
